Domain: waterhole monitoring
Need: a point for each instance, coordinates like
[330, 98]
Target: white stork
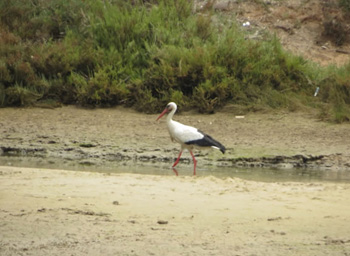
[188, 136]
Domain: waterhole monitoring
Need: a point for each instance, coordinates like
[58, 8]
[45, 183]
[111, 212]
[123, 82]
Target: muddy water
[156, 168]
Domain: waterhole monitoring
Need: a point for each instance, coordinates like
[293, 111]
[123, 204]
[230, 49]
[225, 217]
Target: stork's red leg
[194, 163]
[178, 159]
[175, 171]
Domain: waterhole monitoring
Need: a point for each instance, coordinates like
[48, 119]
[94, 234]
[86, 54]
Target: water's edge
[137, 166]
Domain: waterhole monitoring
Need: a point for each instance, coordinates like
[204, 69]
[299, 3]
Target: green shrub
[147, 53]
[345, 4]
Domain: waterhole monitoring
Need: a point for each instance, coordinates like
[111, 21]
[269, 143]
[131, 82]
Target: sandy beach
[57, 212]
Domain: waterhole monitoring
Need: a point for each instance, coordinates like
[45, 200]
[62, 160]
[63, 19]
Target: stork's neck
[170, 115]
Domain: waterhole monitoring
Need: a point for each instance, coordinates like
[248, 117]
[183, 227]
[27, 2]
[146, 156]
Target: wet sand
[58, 212]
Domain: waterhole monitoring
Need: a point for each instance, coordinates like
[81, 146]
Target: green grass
[106, 53]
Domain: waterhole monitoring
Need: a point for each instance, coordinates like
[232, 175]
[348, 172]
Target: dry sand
[57, 212]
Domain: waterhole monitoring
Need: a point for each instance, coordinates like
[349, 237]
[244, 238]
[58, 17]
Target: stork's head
[170, 107]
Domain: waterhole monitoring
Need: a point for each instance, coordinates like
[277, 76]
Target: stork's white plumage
[188, 136]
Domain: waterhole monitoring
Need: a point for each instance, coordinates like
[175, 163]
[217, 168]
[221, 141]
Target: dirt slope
[309, 28]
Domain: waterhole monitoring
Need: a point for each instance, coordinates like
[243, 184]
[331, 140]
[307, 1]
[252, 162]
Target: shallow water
[156, 168]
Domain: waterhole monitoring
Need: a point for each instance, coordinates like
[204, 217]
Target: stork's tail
[218, 145]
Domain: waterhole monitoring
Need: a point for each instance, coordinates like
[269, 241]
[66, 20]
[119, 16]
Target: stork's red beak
[162, 114]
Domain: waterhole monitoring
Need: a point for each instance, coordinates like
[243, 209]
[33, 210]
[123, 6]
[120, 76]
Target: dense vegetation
[147, 53]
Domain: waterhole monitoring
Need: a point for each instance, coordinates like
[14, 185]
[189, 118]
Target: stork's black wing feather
[207, 141]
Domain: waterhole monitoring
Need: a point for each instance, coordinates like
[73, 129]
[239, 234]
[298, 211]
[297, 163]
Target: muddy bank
[321, 162]
[119, 135]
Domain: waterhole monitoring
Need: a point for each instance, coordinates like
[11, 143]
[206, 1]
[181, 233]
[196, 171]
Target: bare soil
[308, 28]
